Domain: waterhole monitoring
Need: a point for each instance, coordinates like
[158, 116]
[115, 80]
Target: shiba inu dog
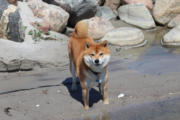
[89, 61]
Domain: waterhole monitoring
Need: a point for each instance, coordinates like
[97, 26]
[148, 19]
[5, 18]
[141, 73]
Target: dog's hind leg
[72, 69]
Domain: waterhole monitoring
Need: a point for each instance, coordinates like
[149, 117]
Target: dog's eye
[101, 54]
[91, 54]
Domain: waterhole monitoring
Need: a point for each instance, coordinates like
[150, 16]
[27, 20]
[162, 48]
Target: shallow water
[168, 109]
[156, 59]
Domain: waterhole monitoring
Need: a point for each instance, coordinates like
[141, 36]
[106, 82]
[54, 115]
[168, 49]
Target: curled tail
[81, 29]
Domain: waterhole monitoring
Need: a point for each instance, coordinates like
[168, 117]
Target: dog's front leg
[85, 92]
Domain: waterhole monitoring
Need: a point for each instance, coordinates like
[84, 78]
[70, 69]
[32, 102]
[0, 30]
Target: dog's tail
[81, 29]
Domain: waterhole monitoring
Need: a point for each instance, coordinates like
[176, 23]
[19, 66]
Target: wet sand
[146, 74]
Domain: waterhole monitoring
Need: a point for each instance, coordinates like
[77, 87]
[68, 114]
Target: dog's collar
[95, 73]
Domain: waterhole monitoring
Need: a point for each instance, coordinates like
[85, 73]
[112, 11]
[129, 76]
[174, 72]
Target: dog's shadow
[94, 95]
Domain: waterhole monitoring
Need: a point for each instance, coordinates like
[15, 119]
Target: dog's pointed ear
[105, 43]
[87, 45]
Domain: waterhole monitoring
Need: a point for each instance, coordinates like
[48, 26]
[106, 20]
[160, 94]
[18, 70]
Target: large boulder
[165, 10]
[98, 27]
[105, 13]
[78, 9]
[10, 22]
[54, 16]
[125, 36]
[147, 3]
[174, 22]
[136, 14]
[84, 10]
[172, 38]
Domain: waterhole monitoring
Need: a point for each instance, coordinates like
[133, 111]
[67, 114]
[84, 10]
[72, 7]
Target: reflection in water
[156, 59]
[168, 109]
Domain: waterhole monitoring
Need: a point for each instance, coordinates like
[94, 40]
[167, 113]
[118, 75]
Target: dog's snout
[97, 61]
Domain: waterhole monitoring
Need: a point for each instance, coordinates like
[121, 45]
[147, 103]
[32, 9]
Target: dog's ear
[87, 45]
[105, 43]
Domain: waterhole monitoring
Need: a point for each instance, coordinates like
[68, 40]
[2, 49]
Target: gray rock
[54, 17]
[105, 12]
[172, 38]
[136, 14]
[165, 10]
[125, 36]
[10, 22]
[84, 10]
[13, 65]
[174, 22]
[3, 67]
[26, 65]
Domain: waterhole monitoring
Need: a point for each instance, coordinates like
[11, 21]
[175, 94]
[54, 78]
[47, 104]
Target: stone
[69, 31]
[3, 67]
[147, 3]
[26, 65]
[172, 38]
[14, 2]
[105, 13]
[54, 36]
[13, 65]
[98, 27]
[113, 4]
[84, 10]
[165, 10]
[125, 36]
[53, 15]
[10, 22]
[136, 14]
[174, 22]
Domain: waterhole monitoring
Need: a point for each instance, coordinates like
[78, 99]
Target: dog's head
[96, 55]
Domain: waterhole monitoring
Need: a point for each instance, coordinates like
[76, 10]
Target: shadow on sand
[94, 95]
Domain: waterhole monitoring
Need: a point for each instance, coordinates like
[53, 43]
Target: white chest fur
[92, 79]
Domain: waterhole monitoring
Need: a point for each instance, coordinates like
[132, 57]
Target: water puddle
[153, 59]
[168, 109]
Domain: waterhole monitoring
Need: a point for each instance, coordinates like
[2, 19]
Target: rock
[69, 31]
[3, 67]
[113, 4]
[98, 27]
[136, 14]
[101, 2]
[165, 10]
[78, 9]
[125, 36]
[14, 2]
[147, 3]
[172, 38]
[43, 26]
[84, 10]
[10, 22]
[53, 15]
[26, 65]
[174, 22]
[13, 65]
[45, 53]
[105, 13]
[54, 36]
[71, 3]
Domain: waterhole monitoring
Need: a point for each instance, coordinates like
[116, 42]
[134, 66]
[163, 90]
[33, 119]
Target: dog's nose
[97, 61]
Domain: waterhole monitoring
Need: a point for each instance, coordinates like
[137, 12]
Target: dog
[89, 61]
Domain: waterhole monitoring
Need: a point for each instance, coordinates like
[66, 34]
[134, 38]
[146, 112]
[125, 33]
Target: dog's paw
[106, 102]
[86, 107]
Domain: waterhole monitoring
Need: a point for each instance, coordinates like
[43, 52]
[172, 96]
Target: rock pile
[37, 21]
